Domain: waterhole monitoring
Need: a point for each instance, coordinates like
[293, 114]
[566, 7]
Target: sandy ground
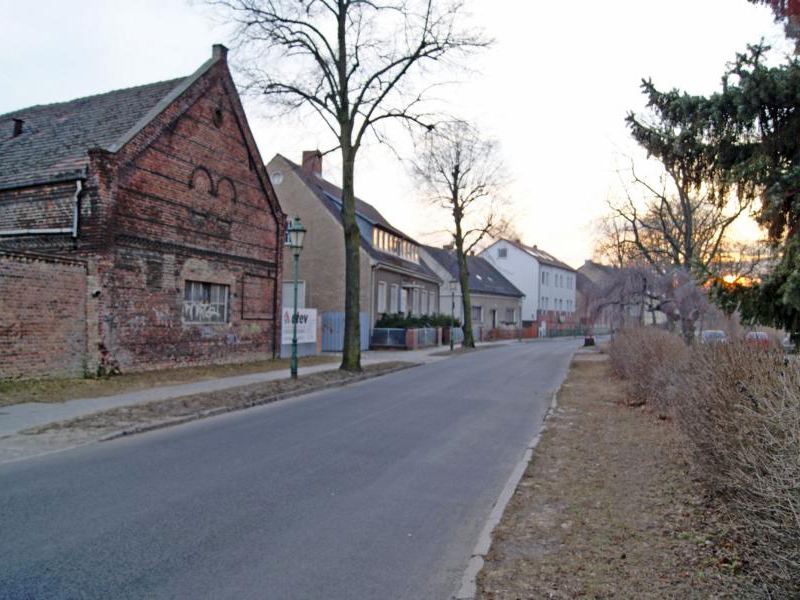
[608, 508]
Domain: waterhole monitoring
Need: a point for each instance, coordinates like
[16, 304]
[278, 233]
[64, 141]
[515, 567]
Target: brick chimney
[219, 52]
[312, 162]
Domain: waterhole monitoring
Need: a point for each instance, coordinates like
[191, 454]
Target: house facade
[157, 198]
[496, 303]
[393, 277]
[547, 283]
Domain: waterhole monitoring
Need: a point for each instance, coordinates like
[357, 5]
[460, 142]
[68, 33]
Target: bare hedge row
[739, 406]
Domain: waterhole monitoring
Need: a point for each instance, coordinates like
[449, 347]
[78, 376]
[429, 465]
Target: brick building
[156, 197]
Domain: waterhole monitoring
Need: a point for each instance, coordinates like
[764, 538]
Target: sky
[554, 91]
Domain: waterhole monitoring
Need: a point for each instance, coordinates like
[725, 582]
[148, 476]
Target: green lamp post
[295, 235]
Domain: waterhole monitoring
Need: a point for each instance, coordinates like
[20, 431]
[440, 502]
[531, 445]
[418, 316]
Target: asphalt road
[378, 490]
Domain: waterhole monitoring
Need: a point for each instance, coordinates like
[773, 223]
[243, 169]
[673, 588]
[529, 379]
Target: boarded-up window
[205, 302]
[257, 297]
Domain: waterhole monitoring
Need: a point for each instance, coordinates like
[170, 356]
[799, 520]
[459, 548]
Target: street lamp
[295, 235]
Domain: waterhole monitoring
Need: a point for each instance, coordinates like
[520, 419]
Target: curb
[468, 587]
[213, 412]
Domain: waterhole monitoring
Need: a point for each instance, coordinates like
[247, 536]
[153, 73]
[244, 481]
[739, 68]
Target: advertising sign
[306, 325]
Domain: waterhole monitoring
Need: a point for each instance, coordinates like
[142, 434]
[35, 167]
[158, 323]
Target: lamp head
[295, 235]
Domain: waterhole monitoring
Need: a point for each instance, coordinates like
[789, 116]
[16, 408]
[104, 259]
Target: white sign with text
[306, 325]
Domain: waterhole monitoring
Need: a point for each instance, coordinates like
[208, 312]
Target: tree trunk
[687, 330]
[463, 279]
[351, 353]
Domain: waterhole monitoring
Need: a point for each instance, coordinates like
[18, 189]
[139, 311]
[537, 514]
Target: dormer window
[392, 244]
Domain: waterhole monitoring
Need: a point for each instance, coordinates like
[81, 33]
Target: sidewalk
[18, 417]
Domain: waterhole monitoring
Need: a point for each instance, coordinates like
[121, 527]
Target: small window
[381, 297]
[502, 252]
[217, 117]
[393, 299]
[205, 302]
[415, 301]
[287, 294]
[477, 314]
[432, 302]
[510, 316]
[423, 299]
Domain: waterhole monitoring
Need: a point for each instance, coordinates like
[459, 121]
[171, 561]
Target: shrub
[401, 321]
[650, 361]
[740, 410]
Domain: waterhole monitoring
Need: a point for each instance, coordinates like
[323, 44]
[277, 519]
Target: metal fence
[333, 331]
[385, 337]
[426, 337]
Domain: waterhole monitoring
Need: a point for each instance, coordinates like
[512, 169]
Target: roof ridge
[321, 182]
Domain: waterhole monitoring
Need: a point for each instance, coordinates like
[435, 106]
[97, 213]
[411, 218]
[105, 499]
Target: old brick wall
[42, 315]
[185, 199]
[190, 206]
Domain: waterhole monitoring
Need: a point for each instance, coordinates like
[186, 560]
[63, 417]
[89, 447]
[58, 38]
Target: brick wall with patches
[180, 230]
[42, 316]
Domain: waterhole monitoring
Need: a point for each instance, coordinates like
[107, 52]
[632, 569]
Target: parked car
[757, 338]
[713, 336]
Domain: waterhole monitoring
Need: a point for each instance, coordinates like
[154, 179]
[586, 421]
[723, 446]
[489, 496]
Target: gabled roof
[330, 196]
[483, 277]
[539, 254]
[56, 138]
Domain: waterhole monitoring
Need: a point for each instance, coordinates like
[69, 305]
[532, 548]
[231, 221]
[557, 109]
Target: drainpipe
[76, 206]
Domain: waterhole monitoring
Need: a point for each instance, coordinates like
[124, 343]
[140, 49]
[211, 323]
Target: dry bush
[651, 362]
[740, 408]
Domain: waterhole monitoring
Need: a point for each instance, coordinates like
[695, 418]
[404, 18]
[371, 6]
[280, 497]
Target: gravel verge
[608, 508]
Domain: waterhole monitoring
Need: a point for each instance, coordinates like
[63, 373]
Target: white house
[548, 283]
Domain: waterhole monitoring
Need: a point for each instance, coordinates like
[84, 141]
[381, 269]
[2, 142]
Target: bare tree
[635, 291]
[460, 171]
[353, 63]
[671, 224]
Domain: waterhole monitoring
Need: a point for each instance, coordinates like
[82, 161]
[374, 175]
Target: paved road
[377, 490]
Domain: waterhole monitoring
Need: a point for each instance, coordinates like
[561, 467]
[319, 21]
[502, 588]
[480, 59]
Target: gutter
[73, 230]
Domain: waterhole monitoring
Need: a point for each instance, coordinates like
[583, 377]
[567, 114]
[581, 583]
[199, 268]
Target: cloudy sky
[554, 89]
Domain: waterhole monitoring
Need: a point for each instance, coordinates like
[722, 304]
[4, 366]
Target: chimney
[312, 162]
[219, 52]
[17, 127]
